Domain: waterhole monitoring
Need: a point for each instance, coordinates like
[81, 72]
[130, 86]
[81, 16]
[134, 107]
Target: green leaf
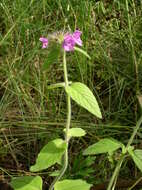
[76, 184]
[81, 94]
[49, 155]
[82, 51]
[103, 146]
[54, 173]
[136, 156]
[89, 161]
[85, 172]
[52, 56]
[27, 183]
[138, 152]
[76, 132]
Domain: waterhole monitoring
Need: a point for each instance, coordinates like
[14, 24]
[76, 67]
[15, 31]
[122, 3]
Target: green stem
[65, 157]
[137, 182]
[115, 173]
[139, 122]
[118, 166]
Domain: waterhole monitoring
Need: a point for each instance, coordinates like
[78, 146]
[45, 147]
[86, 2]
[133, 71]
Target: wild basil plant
[56, 151]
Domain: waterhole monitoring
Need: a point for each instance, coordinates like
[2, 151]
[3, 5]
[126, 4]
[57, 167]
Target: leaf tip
[33, 169]
[100, 115]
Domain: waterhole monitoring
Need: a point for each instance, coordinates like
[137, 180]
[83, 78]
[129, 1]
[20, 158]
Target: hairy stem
[65, 157]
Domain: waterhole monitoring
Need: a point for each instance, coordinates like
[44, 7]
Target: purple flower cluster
[69, 42]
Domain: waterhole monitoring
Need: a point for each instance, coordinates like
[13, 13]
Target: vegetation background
[31, 114]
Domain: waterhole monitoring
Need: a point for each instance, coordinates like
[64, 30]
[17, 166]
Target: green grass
[30, 113]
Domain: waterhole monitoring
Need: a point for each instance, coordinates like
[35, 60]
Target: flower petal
[76, 36]
[44, 45]
[44, 42]
[68, 43]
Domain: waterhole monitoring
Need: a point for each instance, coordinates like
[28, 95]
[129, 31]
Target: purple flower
[44, 42]
[76, 37]
[68, 43]
[70, 40]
